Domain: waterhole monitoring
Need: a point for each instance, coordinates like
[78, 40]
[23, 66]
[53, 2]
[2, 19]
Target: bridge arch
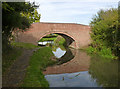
[69, 39]
[76, 32]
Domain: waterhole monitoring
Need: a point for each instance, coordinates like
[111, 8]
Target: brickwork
[78, 32]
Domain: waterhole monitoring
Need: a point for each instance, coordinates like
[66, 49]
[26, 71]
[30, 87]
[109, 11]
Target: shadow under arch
[70, 41]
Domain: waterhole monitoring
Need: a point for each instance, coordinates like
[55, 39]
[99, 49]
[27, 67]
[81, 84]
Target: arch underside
[69, 39]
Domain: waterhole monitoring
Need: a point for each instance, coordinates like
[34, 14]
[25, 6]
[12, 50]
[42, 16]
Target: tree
[105, 30]
[17, 15]
[118, 34]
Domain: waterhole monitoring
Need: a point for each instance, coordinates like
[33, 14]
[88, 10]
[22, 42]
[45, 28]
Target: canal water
[77, 69]
[45, 42]
[77, 79]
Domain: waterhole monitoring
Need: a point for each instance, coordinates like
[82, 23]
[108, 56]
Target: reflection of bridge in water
[80, 62]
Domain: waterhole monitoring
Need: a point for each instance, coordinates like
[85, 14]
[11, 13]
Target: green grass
[24, 45]
[9, 57]
[47, 39]
[38, 62]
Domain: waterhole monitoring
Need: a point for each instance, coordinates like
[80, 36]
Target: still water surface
[78, 79]
[45, 42]
[80, 70]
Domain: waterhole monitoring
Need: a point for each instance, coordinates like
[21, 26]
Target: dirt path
[17, 71]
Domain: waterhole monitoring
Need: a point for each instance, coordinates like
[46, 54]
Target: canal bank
[17, 71]
[81, 70]
[38, 62]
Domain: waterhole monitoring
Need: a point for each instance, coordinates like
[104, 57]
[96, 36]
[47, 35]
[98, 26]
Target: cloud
[72, 11]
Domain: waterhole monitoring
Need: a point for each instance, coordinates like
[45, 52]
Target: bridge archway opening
[69, 41]
[62, 52]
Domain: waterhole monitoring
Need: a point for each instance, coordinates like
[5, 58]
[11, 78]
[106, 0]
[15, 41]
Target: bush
[91, 50]
[104, 33]
[104, 52]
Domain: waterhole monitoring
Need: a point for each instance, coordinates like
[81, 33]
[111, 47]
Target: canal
[78, 69]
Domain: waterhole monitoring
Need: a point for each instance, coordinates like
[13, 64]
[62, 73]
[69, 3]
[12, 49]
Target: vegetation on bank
[105, 34]
[47, 39]
[38, 62]
[50, 37]
[104, 52]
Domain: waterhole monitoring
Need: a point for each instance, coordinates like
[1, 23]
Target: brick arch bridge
[76, 35]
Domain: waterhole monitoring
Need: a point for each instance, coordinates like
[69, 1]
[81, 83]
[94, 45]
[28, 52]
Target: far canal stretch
[45, 42]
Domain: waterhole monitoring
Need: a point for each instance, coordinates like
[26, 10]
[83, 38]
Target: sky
[72, 11]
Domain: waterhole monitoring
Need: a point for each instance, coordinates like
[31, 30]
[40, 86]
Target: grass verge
[38, 62]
